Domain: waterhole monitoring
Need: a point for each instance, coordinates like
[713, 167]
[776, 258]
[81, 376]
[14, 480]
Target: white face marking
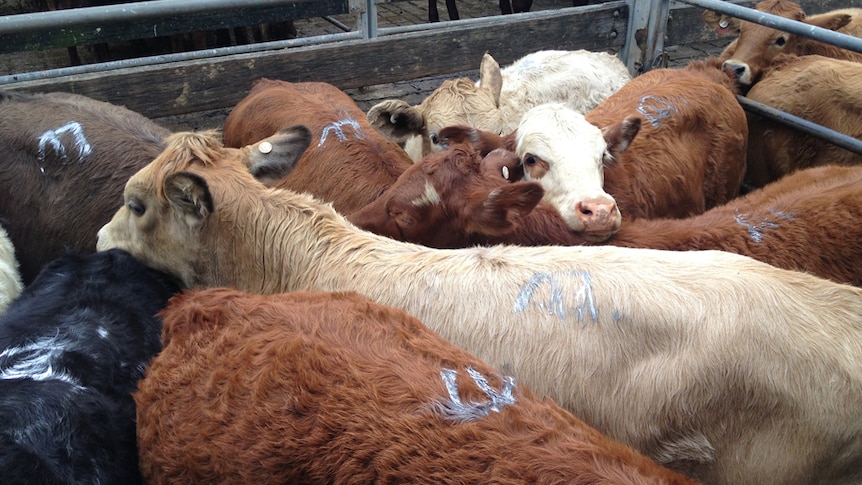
[51, 139]
[337, 128]
[264, 147]
[430, 197]
[34, 361]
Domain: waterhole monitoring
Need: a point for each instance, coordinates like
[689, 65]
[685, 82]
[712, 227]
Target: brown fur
[807, 221]
[58, 203]
[694, 160]
[818, 89]
[320, 387]
[348, 173]
[758, 45]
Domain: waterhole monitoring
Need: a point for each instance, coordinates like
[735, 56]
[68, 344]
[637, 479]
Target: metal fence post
[644, 48]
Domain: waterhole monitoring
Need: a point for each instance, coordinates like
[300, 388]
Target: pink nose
[597, 215]
[738, 70]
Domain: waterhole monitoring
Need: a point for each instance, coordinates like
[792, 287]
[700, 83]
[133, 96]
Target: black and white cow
[72, 349]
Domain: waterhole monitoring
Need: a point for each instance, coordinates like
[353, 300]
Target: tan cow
[757, 45]
[721, 367]
[818, 89]
[580, 79]
[10, 276]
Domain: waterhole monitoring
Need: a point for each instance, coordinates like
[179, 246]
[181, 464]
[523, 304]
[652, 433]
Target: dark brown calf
[319, 387]
[348, 162]
[807, 221]
[66, 159]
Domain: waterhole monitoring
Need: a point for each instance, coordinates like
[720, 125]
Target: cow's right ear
[273, 158]
[829, 21]
[190, 195]
[396, 120]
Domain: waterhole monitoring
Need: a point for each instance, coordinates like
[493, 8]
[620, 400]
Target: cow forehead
[561, 137]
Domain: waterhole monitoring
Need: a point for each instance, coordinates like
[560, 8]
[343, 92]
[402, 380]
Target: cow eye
[434, 139]
[780, 41]
[136, 207]
[530, 160]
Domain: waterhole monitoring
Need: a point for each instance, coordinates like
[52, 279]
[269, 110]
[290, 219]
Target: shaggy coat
[65, 160]
[818, 89]
[719, 366]
[757, 45]
[347, 161]
[580, 79]
[10, 276]
[72, 349]
[332, 388]
[806, 221]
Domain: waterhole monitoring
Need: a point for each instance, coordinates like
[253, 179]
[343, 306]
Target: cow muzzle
[600, 218]
[739, 71]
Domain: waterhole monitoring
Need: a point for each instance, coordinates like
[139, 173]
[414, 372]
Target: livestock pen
[361, 44]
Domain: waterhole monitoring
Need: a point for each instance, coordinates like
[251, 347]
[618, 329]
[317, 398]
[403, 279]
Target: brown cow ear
[832, 21]
[190, 196]
[490, 77]
[273, 158]
[619, 136]
[396, 120]
[503, 209]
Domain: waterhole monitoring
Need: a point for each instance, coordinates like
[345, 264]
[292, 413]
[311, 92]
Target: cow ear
[502, 210]
[396, 120]
[831, 21]
[274, 157]
[619, 136]
[190, 196]
[481, 140]
[490, 77]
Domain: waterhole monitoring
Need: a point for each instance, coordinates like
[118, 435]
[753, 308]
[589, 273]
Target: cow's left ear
[833, 21]
[501, 211]
[190, 196]
[619, 136]
[273, 158]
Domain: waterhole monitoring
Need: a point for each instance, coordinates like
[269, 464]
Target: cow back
[348, 162]
[66, 161]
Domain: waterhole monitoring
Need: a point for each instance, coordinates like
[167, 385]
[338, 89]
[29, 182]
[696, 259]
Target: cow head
[456, 101]
[444, 199]
[164, 219]
[567, 154]
[757, 45]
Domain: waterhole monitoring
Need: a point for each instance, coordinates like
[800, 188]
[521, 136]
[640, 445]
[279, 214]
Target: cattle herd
[554, 274]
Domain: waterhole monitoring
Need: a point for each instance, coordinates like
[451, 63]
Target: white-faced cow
[580, 79]
[719, 366]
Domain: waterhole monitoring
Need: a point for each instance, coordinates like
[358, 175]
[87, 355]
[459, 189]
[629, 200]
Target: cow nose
[738, 70]
[597, 215]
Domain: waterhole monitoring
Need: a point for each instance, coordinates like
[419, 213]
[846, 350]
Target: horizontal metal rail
[836, 138]
[837, 39]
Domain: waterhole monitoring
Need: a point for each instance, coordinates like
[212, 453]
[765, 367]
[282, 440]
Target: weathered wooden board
[200, 85]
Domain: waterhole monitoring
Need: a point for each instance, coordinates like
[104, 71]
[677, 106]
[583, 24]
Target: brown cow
[347, 163]
[790, 224]
[670, 143]
[66, 160]
[757, 45]
[716, 365]
[333, 388]
[818, 89]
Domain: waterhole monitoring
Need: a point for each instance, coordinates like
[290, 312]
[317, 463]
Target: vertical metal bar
[656, 30]
[631, 53]
[368, 20]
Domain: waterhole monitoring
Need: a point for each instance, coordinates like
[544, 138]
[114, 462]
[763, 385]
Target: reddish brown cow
[805, 221]
[757, 45]
[313, 387]
[819, 89]
[348, 162]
